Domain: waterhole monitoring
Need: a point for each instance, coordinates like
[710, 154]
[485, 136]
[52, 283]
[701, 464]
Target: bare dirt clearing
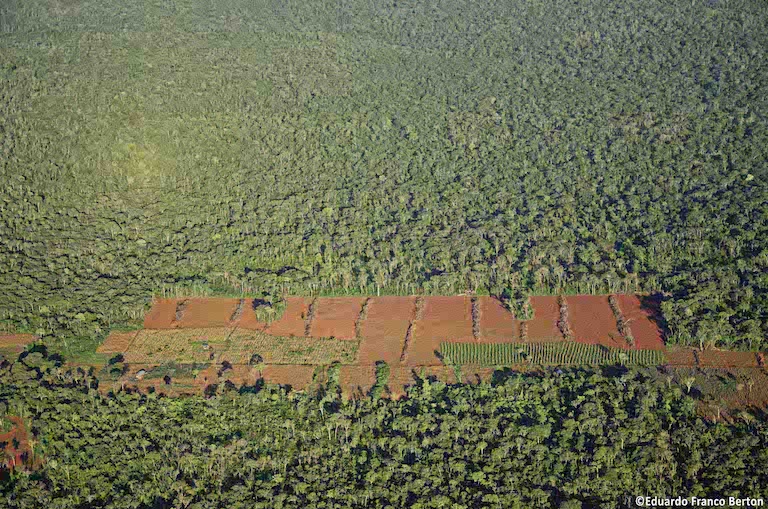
[443, 317]
[203, 313]
[293, 321]
[335, 317]
[543, 327]
[593, 321]
[384, 329]
[497, 323]
[643, 316]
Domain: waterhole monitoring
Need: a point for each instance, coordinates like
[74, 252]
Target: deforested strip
[310, 316]
[562, 323]
[238, 311]
[361, 319]
[621, 322]
[181, 306]
[475, 318]
[418, 313]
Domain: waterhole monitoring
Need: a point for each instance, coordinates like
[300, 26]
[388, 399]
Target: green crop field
[508, 354]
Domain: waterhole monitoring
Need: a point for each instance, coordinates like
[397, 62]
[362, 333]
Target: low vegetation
[569, 353]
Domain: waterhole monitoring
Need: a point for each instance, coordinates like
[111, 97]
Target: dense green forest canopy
[348, 146]
[557, 439]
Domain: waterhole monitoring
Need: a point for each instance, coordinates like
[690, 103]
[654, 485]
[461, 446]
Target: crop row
[545, 353]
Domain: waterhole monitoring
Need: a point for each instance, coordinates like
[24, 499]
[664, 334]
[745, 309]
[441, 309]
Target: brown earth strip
[722, 359]
[593, 322]
[384, 329]
[543, 327]
[202, 313]
[335, 317]
[497, 323]
[162, 314]
[117, 342]
[642, 316]
[16, 340]
[15, 451]
[445, 319]
[293, 321]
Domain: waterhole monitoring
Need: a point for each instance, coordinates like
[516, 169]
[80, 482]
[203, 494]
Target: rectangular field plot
[335, 317]
[117, 342]
[443, 319]
[177, 345]
[293, 320]
[16, 340]
[298, 377]
[384, 328]
[593, 321]
[643, 316]
[162, 315]
[507, 354]
[245, 316]
[543, 327]
[245, 346]
[208, 312]
[496, 322]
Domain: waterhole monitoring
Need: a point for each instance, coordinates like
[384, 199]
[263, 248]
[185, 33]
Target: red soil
[208, 312]
[444, 319]
[543, 327]
[680, 357]
[117, 342]
[19, 340]
[384, 329]
[292, 321]
[642, 315]
[16, 451]
[593, 322]
[718, 359]
[162, 314]
[357, 380]
[497, 323]
[247, 319]
[298, 377]
[336, 317]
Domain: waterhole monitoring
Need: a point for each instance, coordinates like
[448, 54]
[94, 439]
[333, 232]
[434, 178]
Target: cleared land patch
[177, 345]
[497, 323]
[162, 315]
[336, 317]
[243, 345]
[543, 327]
[117, 342]
[593, 321]
[200, 313]
[293, 321]
[384, 328]
[444, 318]
[235, 346]
[642, 316]
[16, 340]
